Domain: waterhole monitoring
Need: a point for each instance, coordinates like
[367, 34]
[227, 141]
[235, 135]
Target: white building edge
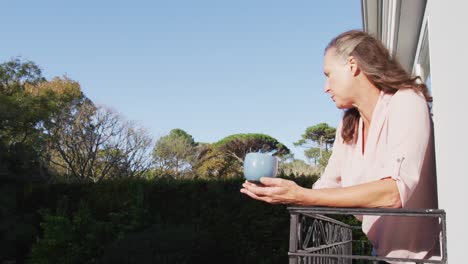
[430, 39]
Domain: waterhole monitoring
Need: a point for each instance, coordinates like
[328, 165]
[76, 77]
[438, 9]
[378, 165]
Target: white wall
[448, 47]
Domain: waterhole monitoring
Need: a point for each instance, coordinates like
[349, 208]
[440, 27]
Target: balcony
[316, 238]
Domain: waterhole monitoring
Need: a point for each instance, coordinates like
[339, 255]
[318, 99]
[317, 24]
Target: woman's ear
[353, 66]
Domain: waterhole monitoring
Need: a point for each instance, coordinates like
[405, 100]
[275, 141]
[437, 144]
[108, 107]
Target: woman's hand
[273, 190]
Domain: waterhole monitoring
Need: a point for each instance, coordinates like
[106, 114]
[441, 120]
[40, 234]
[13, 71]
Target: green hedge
[152, 221]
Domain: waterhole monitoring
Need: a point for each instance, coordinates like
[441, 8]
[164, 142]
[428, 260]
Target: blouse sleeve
[331, 177]
[408, 135]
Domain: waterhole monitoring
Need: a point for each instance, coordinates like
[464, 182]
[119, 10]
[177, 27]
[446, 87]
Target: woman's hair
[383, 71]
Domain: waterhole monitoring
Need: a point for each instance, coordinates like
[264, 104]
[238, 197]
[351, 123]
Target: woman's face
[339, 79]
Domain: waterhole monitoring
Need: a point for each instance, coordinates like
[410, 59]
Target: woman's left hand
[273, 190]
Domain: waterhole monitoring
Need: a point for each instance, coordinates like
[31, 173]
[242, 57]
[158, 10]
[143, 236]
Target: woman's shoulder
[408, 104]
[409, 97]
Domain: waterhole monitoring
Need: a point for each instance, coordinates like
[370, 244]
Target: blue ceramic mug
[257, 165]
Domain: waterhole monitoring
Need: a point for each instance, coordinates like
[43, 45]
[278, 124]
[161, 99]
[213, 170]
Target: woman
[383, 155]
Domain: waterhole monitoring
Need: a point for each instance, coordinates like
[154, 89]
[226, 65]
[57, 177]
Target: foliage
[49, 129]
[322, 134]
[313, 154]
[152, 221]
[210, 163]
[28, 104]
[238, 145]
[297, 168]
[15, 73]
[79, 236]
[174, 152]
[317, 138]
[161, 220]
[324, 159]
[177, 132]
[66, 240]
[16, 230]
[93, 142]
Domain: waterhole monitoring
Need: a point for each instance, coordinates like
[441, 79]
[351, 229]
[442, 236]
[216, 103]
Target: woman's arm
[381, 193]
[376, 194]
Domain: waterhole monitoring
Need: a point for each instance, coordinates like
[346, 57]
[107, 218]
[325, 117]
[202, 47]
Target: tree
[298, 167]
[18, 136]
[323, 161]
[321, 135]
[26, 106]
[212, 164]
[15, 74]
[93, 143]
[313, 154]
[174, 152]
[238, 145]
[48, 126]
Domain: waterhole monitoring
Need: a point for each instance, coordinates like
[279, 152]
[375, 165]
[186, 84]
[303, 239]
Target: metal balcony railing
[318, 239]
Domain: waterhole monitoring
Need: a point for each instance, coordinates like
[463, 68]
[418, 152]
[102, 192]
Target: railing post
[444, 238]
[293, 238]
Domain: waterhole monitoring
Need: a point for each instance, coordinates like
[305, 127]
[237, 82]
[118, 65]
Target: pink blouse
[399, 146]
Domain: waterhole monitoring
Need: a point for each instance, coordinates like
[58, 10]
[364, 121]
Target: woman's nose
[326, 87]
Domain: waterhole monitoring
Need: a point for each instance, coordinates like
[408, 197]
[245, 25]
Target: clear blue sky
[212, 68]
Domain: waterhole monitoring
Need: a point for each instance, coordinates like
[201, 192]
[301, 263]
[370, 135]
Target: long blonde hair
[383, 71]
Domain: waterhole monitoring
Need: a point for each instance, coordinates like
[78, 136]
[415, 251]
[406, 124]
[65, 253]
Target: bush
[157, 221]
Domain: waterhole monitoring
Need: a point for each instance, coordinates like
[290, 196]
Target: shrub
[158, 221]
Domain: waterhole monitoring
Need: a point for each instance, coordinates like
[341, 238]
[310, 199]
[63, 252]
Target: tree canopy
[317, 139]
[321, 134]
[175, 151]
[50, 128]
[28, 105]
[238, 145]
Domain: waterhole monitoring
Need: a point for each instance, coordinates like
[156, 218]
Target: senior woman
[383, 155]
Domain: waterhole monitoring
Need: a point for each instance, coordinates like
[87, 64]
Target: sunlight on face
[338, 79]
